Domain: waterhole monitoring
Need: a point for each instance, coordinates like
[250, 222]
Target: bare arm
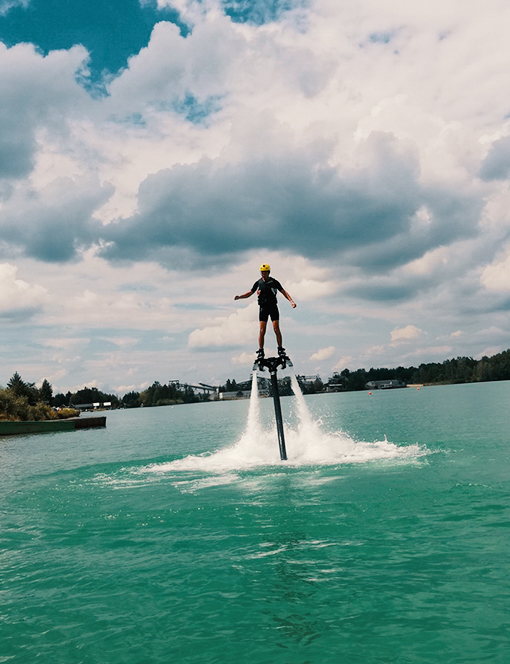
[285, 294]
[244, 296]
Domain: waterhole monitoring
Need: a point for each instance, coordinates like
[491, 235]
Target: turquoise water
[177, 535]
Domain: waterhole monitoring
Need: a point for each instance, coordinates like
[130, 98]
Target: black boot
[259, 359]
[286, 362]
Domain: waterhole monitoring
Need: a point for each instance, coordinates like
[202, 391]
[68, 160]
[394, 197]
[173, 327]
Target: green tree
[46, 392]
[60, 400]
[93, 395]
[21, 389]
[15, 407]
[131, 400]
[357, 380]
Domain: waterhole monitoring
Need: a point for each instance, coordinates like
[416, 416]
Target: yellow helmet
[265, 268]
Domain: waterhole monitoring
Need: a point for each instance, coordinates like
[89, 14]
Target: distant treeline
[160, 395]
[88, 395]
[155, 395]
[458, 370]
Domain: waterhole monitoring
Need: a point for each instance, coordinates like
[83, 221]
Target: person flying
[267, 288]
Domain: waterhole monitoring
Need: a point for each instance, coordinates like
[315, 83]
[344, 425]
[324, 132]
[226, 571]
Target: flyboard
[272, 364]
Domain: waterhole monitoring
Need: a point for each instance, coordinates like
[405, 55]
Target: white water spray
[307, 444]
[253, 428]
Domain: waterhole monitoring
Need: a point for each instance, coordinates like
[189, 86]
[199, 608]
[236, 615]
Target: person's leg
[262, 333]
[276, 327]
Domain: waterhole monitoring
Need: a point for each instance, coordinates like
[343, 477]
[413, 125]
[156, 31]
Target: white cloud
[432, 260]
[434, 352]
[99, 309]
[36, 92]
[123, 342]
[496, 276]
[487, 352]
[66, 343]
[344, 362]
[310, 289]
[338, 144]
[124, 389]
[407, 333]
[374, 351]
[323, 354]
[18, 296]
[191, 11]
[244, 359]
[82, 386]
[233, 330]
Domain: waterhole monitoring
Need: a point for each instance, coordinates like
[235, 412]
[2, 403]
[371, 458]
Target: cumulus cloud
[374, 351]
[17, 297]
[52, 224]
[312, 289]
[228, 331]
[334, 138]
[301, 177]
[406, 333]
[496, 276]
[496, 166]
[36, 93]
[323, 354]
[343, 363]
[305, 206]
[366, 209]
[190, 11]
[121, 310]
[243, 359]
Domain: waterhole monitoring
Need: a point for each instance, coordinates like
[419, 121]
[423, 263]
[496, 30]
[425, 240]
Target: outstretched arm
[285, 294]
[244, 296]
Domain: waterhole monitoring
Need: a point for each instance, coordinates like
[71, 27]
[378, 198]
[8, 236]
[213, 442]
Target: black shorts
[266, 311]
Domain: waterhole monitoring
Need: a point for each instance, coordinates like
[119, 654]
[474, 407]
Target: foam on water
[306, 443]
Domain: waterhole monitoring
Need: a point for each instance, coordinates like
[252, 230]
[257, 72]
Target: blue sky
[110, 31]
[153, 154]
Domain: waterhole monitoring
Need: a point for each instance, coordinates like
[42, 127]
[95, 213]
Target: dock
[51, 426]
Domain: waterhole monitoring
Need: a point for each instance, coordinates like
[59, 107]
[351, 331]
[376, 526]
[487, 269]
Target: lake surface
[176, 534]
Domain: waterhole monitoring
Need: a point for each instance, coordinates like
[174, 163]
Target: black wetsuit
[266, 291]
